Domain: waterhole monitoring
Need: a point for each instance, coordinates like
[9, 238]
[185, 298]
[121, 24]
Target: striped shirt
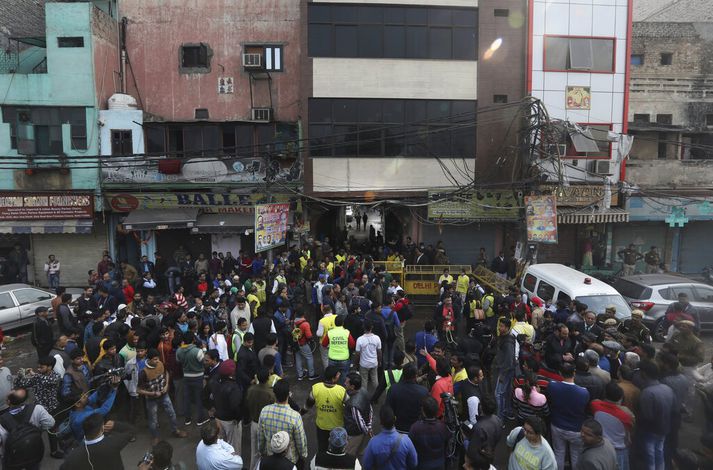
[280, 417]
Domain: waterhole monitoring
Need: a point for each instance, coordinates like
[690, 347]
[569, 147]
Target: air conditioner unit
[252, 60]
[262, 114]
[603, 167]
[557, 149]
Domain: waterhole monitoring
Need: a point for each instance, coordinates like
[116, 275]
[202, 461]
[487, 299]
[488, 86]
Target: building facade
[48, 135]
[671, 117]
[578, 68]
[393, 96]
[209, 124]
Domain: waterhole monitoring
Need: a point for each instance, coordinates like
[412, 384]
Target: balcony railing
[695, 87]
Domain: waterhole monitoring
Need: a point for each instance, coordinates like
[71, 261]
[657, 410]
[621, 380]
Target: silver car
[18, 303]
[653, 293]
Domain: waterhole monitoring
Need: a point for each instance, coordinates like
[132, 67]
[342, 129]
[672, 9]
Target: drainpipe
[122, 47]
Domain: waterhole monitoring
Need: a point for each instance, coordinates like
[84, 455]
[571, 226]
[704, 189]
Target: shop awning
[578, 215]
[221, 223]
[47, 226]
[160, 219]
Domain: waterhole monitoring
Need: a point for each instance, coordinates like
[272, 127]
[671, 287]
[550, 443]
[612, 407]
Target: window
[393, 32]
[38, 130]
[386, 127]
[667, 294]
[545, 291]
[6, 301]
[155, 139]
[121, 142]
[30, 296]
[703, 294]
[594, 136]
[564, 53]
[500, 98]
[501, 12]
[709, 120]
[563, 297]
[662, 147]
[641, 118]
[195, 58]
[529, 282]
[201, 113]
[666, 58]
[664, 119]
[72, 41]
[273, 58]
[637, 59]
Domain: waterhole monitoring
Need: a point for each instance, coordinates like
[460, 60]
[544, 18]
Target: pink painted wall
[157, 29]
[105, 50]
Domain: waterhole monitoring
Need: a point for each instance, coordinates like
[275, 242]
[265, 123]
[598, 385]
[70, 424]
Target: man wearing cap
[608, 315]
[279, 444]
[635, 328]
[42, 337]
[335, 457]
[687, 345]
[228, 403]
[280, 417]
[681, 310]
[630, 257]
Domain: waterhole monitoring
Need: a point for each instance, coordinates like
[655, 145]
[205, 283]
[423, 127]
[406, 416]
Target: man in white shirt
[213, 453]
[368, 355]
[241, 310]
[394, 287]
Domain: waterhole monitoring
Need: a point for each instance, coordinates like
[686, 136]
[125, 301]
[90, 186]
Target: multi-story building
[578, 68]
[57, 67]
[393, 92]
[671, 117]
[212, 122]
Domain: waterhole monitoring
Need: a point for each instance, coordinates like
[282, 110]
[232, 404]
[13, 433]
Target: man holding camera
[89, 405]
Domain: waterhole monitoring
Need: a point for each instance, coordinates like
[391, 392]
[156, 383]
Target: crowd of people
[221, 342]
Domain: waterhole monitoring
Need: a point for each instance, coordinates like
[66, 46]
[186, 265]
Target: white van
[559, 282]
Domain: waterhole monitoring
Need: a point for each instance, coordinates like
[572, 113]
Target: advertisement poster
[481, 205]
[579, 97]
[42, 206]
[270, 225]
[541, 214]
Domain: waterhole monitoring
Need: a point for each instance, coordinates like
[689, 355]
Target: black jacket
[42, 336]
[246, 366]
[67, 321]
[378, 322]
[405, 399]
[554, 351]
[262, 327]
[105, 454]
[227, 399]
[592, 383]
[360, 401]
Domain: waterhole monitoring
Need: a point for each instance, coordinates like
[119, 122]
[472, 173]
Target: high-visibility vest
[490, 312]
[261, 296]
[329, 404]
[397, 377]
[238, 335]
[253, 298]
[338, 344]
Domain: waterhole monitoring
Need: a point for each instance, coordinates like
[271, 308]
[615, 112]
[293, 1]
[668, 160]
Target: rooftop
[21, 18]
[675, 11]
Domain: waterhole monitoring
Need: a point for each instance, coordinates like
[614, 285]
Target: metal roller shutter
[77, 253]
[694, 252]
[462, 243]
[642, 234]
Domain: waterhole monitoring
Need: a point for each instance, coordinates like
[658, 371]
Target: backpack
[23, 445]
[297, 333]
[390, 324]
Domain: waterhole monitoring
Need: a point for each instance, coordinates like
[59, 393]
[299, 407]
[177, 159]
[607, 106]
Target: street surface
[19, 353]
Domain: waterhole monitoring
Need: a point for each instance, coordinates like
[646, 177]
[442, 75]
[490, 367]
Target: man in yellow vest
[325, 324]
[279, 279]
[329, 397]
[340, 342]
[462, 285]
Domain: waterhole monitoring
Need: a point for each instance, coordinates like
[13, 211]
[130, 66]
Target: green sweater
[191, 359]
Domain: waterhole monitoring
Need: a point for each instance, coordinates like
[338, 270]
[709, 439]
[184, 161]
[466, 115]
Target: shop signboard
[581, 195]
[480, 205]
[46, 206]
[270, 225]
[207, 202]
[541, 216]
[202, 170]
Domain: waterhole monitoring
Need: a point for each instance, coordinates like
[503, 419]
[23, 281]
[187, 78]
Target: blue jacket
[77, 417]
[568, 405]
[378, 453]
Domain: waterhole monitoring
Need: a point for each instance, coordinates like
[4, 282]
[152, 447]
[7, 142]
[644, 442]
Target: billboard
[270, 226]
[541, 215]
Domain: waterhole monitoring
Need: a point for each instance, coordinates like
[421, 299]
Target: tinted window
[632, 290]
[6, 301]
[28, 296]
[667, 294]
[599, 303]
[564, 297]
[704, 294]
[529, 282]
[684, 289]
[545, 291]
[392, 32]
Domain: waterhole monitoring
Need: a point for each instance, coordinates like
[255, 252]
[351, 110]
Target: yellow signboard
[416, 287]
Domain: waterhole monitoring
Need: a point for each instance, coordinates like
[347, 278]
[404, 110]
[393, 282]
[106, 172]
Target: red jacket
[442, 385]
[303, 325]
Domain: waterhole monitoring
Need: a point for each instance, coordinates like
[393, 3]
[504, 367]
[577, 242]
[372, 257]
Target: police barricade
[422, 280]
[395, 268]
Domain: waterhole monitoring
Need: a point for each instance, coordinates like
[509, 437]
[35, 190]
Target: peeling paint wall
[157, 29]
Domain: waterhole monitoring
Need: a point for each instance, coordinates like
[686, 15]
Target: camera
[147, 458]
[113, 372]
